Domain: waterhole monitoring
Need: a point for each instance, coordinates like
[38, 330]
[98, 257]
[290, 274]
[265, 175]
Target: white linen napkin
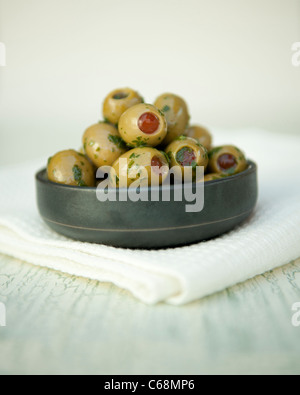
[270, 238]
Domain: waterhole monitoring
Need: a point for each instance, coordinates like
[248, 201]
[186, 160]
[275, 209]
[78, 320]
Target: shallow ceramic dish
[77, 213]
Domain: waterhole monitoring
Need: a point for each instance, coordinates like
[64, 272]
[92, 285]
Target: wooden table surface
[60, 324]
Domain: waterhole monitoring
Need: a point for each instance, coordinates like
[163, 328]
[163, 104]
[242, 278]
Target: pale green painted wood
[57, 323]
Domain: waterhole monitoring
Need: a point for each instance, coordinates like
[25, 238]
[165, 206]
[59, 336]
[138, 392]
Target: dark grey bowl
[76, 213]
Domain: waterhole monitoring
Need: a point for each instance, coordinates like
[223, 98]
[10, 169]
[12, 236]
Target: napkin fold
[268, 239]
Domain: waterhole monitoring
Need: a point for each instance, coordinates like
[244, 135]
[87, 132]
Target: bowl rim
[252, 167]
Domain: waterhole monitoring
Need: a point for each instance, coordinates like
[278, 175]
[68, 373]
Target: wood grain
[60, 324]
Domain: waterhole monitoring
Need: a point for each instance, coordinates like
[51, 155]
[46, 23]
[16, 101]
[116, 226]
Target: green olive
[186, 151]
[103, 144]
[143, 125]
[71, 168]
[144, 164]
[213, 177]
[201, 134]
[81, 151]
[118, 101]
[226, 160]
[176, 112]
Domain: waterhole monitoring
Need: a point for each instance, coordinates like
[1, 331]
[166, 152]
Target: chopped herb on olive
[105, 120]
[169, 155]
[133, 155]
[117, 140]
[120, 95]
[214, 151]
[182, 138]
[239, 151]
[77, 172]
[194, 165]
[165, 155]
[230, 171]
[131, 163]
[81, 183]
[166, 108]
[140, 142]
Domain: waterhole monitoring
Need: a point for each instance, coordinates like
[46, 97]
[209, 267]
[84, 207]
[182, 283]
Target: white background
[231, 61]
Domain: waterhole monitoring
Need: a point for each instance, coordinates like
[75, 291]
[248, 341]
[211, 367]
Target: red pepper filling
[148, 123]
[186, 157]
[156, 163]
[227, 162]
[120, 95]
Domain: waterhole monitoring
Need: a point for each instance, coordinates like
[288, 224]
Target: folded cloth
[268, 239]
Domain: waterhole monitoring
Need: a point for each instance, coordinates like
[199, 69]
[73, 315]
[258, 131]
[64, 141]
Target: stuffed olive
[201, 134]
[144, 164]
[118, 101]
[226, 160]
[129, 123]
[103, 144]
[176, 112]
[71, 168]
[186, 151]
[143, 125]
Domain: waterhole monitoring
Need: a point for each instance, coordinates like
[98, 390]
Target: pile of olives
[149, 136]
